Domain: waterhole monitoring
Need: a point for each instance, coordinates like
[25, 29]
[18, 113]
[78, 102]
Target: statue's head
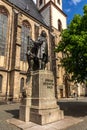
[43, 34]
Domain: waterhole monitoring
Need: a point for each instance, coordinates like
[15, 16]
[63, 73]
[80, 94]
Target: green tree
[73, 45]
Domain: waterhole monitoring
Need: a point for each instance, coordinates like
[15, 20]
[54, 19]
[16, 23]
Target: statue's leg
[43, 65]
[44, 61]
[28, 69]
[40, 64]
[31, 64]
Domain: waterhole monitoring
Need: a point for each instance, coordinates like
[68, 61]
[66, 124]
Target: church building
[18, 20]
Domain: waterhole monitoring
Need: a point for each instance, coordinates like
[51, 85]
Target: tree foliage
[73, 45]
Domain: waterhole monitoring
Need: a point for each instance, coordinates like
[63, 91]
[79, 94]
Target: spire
[27, 8]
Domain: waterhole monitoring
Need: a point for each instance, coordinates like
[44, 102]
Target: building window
[36, 31]
[59, 26]
[21, 84]
[40, 2]
[1, 83]
[3, 29]
[24, 39]
[58, 1]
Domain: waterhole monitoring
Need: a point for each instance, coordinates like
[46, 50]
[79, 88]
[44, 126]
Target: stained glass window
[3, 29]
[24, 40]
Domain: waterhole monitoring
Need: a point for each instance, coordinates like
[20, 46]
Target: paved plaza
[75, 117]
[8, 111]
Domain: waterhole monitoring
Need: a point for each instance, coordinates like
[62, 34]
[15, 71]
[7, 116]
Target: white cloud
[76, 1]
[67, 10]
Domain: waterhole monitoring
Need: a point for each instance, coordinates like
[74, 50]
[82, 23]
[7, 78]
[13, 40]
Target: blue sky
[72, 7]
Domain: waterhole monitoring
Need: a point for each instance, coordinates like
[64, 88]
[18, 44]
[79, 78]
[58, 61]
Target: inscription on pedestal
[49, 83]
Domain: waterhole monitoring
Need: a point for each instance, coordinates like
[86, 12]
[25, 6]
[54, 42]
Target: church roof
[29, 7]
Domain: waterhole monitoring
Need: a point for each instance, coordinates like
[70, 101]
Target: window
[21, 84]
[3, 29]
[36, 32]
[40, 2]
[24, 39]
[1, 82]
[58, 1]
[59, 25]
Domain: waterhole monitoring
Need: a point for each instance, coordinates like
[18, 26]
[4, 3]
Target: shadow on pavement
[2, 103]
[70, 108]
[14, 113]
[74, 109]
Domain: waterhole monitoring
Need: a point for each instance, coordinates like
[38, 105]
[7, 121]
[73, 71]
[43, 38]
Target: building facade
[18, 20]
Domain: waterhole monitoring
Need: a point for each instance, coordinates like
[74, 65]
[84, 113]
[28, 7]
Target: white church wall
[58, 15]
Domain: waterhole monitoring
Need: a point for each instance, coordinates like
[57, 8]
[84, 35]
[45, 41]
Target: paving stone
[80, 126]
[75, 117]
[7, 112]
[68, 121]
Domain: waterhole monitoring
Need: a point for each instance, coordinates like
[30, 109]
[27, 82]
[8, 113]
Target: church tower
[52, 13]
[55, 18]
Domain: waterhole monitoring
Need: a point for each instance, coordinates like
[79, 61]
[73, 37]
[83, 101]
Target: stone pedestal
[24, 113]
[43, 108]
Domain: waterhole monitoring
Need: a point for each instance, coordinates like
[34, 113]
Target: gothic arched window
[24, 39]
[40, 2]
[3, 29]
[59, 25]
[58, 1]
[21, 84]
[1, 82]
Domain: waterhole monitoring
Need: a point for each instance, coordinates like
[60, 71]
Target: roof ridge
[30, 8]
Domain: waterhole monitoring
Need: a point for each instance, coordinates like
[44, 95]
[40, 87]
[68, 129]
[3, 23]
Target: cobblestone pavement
[7, 112]
[71, 107]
